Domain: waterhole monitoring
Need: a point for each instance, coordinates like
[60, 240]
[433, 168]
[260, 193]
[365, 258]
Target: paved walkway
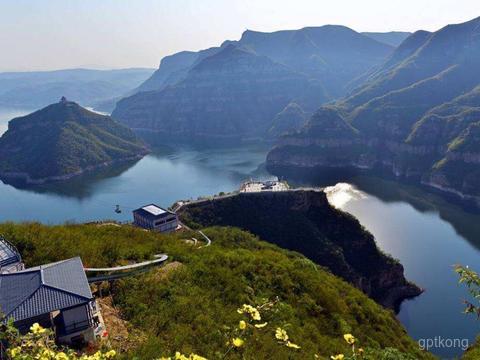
[158, 259]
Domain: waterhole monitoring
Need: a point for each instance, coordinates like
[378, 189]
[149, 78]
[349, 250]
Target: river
[426, 233]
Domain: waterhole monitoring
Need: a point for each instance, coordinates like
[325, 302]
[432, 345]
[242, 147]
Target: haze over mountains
[416, 115]
[237, 89]
[393, 38]
[32, 90]
[411, 109]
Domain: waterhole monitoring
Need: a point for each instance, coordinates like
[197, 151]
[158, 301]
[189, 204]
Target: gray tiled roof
[43, 289]
[8, 253]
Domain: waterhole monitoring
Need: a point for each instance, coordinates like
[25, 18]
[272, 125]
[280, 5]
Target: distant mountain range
[33, 90]
[61, 141]
[417, 116]
[393, 38]
[236, 90]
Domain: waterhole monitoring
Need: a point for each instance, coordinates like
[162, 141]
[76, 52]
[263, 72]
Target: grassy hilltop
[187, 309]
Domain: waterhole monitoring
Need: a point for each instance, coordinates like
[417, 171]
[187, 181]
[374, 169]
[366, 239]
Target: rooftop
[43, 289]
[8, 253]
[152, 211]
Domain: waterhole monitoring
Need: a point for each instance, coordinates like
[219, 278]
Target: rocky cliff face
[237, 90]
[304, 221]
[416, 117]
[289, 120]
[234, 93]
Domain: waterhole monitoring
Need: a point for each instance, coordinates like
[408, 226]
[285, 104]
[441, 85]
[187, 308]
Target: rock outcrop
[305, 222]
[416, 117]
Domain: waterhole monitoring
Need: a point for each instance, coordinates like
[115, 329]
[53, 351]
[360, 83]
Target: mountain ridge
[415, 116]
[319, 62]
[63, 140]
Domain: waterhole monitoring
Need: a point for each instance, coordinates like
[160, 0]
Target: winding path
[158, 259]
[209, 242]
[126, 270]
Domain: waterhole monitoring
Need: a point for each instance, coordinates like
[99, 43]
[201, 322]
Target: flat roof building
[153, 217]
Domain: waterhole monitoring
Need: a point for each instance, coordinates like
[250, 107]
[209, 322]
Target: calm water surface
[426, 233]
[415, 232]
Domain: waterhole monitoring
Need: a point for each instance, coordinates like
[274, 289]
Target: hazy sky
[53, 34]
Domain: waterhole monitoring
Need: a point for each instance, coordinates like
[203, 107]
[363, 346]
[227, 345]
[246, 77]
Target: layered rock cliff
[416, 117]
[232, 94]
[305, 222]
[236, 90]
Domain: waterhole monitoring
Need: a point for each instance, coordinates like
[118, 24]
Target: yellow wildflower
[61, 356]
[237, 342]
[15, 351]
[48, 354]
[337, 357]
[281, 334]
[349, 338]
[292, 345]
[96, 356]
[179, 356]
[242, 325]
[251, 311]
[197, 357]
[37, 329]
[110, 354]
[259, 326]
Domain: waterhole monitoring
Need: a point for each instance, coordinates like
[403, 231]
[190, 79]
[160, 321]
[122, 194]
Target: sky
[58, 34]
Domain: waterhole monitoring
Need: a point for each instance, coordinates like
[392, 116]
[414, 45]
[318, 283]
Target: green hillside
[305, 222]
[63, 140]
[193, 308]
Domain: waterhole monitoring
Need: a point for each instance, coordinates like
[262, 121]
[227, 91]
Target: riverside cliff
[415, 117]
[305, 222]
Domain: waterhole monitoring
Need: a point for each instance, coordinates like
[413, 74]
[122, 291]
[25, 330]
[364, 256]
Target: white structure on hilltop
[260, 186]
[153, 217]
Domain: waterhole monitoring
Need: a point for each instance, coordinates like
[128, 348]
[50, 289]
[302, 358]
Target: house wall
[78, 338]
[169, 223]
[77, 315]
[142, 222]
[165, 223]
[24, 325]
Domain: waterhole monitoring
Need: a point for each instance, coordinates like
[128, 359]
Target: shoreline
[27, 179]
[454, 196]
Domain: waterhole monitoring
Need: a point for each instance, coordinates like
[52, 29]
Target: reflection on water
[341, 194]
[411, 227]
[80, 187]
[425, 232]
[163, 177]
